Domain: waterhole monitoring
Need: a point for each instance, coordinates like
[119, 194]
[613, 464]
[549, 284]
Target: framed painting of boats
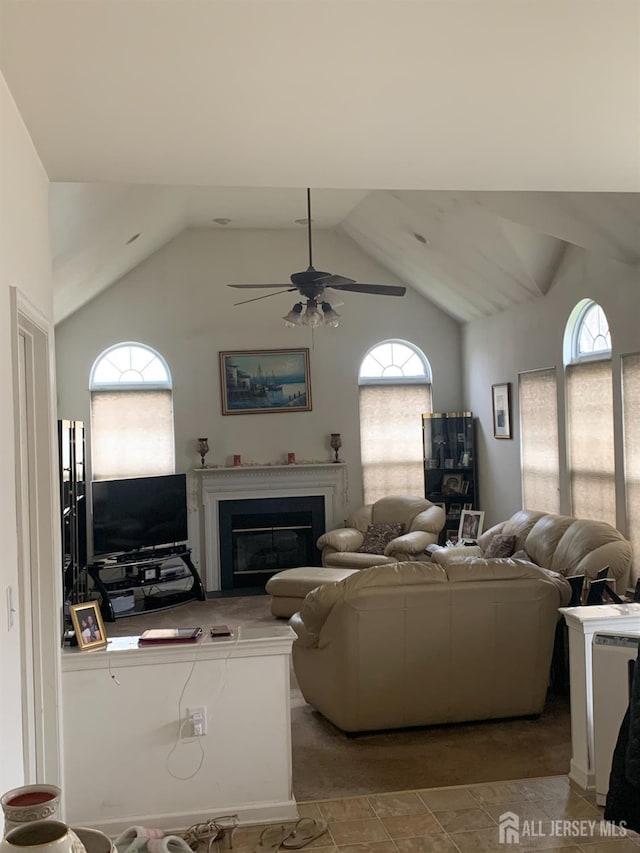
[261, 381]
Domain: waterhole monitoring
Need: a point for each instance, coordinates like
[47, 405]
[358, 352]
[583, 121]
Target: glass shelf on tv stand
[143, 571]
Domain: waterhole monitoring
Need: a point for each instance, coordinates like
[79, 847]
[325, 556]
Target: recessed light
[132, 239]
[421, 239]
[221, 220]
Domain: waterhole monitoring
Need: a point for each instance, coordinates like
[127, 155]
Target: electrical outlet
[198, 719]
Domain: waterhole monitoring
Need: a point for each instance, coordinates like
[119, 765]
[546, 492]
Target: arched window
[590, 440]
[395, 390]
[131, 413]
[591, 335]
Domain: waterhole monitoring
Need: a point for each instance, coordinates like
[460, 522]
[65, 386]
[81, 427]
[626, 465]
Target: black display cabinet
[450, 473]
[73, 506]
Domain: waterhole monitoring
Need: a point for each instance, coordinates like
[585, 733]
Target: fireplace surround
[327, 481]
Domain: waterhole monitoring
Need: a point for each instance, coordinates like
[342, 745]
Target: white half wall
[529, 337]
[178, 302]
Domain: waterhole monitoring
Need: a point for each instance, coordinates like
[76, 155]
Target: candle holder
[336, 444]
[202, 447]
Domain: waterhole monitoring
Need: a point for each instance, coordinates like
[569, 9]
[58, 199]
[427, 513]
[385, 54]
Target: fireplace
[261, 536]
[326, 482]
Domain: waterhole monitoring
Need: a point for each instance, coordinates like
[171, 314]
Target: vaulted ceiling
[462, 143]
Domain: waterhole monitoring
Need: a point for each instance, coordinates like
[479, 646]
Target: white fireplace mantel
[326, 480]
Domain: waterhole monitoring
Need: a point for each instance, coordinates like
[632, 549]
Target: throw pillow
[500, 546]
[378, 537]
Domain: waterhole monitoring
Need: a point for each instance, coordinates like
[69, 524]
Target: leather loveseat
[569, 546]
[421, 523]
[414, 644]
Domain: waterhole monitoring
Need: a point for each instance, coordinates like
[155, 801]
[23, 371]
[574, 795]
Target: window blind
[131, 433]
[631, 425]
[590, 432]
[391, 439]
[540, 466]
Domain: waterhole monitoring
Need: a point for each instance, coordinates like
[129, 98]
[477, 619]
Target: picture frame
[452, 484]
[88, 625]
[468, 506]
[471, 521]
[257, 382]
[451, 536]
[455, 510]
[501, 406]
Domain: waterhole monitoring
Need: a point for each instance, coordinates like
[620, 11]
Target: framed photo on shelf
[452, 484]
[88, 625]
[501, 405]
[471, 521]
[452, 536]
[255, 382]
[468, 506]
[455, 510]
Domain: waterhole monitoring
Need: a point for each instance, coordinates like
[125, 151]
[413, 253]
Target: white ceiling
[156, 115]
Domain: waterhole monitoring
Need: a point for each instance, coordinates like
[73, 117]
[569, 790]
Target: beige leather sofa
[422, 521]
[415, 644]
[566, 545]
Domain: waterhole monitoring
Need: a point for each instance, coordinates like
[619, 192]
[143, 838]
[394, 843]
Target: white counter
[583, 623]
[124, 763]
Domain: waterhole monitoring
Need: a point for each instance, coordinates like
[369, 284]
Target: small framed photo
[451, 536]
[452, 484]
[468, 506]
[455, 510]
[88, 625]
[501, 404]
[471, 521]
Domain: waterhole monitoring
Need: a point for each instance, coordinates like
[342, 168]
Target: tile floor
[457, 820]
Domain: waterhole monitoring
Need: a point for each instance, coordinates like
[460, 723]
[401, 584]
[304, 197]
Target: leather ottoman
[289, 587]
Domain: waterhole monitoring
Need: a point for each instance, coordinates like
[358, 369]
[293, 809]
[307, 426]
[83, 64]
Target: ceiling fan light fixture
[294, 317]
[312, 317]
[331, 317]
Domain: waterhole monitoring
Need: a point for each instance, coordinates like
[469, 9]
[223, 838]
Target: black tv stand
[138, 582]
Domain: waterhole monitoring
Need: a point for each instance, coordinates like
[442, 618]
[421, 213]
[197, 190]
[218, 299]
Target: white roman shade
[631, 422]
[391, 439]
[132, 433]
[590, 436]
[539, 440]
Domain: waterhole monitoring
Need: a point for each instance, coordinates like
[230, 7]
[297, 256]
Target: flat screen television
[141, 512]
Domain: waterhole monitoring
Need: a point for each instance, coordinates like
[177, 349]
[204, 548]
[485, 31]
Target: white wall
[25, 263]
[531, 336]
[178, 302]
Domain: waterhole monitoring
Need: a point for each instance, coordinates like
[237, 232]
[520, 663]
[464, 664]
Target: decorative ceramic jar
[42, 836]
[29, 803]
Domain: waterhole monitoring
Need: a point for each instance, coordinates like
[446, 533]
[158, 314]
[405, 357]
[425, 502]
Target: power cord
[183, 722]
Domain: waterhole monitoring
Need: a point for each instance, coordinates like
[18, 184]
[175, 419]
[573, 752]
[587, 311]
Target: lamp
[331, 318]
[336, 444]
[312, 315]
[294, 317]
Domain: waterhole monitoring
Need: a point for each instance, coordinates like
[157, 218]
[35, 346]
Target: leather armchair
[423, 522]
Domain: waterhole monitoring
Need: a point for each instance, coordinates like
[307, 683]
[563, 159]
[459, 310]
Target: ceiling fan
[312, 284]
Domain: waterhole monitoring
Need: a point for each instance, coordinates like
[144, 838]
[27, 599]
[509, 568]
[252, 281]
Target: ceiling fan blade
[263, 285]
[331, 280]
[266, 295]
[379, 289]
